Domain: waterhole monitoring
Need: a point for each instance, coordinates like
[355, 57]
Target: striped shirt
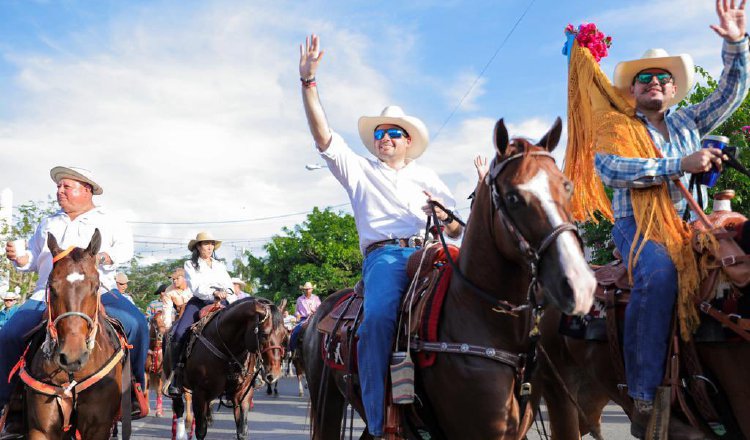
[686, 128]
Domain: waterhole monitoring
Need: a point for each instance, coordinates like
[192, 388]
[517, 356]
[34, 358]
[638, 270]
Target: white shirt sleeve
[344, 164]
[120, 248]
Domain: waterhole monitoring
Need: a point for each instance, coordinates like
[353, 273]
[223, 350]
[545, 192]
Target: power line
[216, 222]
[484, 69]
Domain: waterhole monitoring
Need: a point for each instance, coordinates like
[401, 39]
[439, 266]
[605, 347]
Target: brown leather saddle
[340, 326]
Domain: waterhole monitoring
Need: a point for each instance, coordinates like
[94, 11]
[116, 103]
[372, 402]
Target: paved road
[285, 417]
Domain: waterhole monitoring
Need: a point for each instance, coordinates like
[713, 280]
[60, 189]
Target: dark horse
[73, 384]
[218, 362]
[520, 236]
[587, 370]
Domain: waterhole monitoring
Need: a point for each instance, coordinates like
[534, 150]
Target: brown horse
[218, 362]
[520, 237]
[157, 328]
[588, 372]
[73, 384]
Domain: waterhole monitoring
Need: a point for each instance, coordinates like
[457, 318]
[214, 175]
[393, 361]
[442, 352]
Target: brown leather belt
[401, 242]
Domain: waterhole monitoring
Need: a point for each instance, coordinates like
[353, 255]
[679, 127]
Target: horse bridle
[532, 255]
[93, 324]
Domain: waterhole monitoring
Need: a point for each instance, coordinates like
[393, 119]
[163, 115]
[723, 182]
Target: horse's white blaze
[75, 276]
[574, 266]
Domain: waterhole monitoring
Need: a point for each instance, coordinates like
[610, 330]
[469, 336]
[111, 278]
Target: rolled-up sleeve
[620, 172]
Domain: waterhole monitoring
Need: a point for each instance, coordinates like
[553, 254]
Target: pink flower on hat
[590, 37]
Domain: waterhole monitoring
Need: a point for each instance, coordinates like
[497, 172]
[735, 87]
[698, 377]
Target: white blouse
[204, 280]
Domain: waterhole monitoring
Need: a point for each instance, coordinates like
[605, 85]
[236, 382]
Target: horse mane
[276, 317]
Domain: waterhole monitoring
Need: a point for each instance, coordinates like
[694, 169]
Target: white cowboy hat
[76, 173]
[680, 66]
[393, 114]
[307, 285]
[203, 236]
[238, 281]
[11, 295]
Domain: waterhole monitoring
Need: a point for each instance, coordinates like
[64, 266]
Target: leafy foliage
[144, 280]
[324, 249]
[29, 215]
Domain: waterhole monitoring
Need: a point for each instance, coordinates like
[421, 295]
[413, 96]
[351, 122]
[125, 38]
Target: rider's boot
[678, 430]
[175, 386]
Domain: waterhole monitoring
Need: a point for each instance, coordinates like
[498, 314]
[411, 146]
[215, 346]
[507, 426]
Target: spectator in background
[10, 305]
[178, 292]
[122, 285]
[238, 285]
[163, 303]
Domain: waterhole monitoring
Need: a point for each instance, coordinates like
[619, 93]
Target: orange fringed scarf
[600, 120]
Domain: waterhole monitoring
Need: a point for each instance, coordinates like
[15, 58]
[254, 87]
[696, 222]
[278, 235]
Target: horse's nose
[70, 364]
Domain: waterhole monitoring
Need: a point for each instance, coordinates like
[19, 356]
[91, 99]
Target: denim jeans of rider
[190, 316]
[385, 280]
[648, 315]
[32, 312]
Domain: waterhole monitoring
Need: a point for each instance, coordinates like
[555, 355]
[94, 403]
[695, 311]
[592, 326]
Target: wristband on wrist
[308, 82]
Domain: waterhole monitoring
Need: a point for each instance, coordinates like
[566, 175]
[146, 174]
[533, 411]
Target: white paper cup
[20, 246]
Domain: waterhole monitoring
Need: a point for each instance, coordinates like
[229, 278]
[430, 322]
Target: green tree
[324, 249]
[597, 235]
[28, 217]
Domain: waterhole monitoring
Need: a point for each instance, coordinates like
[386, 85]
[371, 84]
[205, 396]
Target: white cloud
[465, 90]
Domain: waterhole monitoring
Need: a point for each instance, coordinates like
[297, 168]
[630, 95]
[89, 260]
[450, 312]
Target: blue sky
[191, 111]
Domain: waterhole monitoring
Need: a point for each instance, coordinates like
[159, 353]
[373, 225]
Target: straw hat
[393, 114]
[14, 294]
[307, 285]
[680, 66]
[238, 281]
[203, 236]
[76, 173]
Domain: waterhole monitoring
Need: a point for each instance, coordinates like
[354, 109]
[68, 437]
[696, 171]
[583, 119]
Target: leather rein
[227, 355]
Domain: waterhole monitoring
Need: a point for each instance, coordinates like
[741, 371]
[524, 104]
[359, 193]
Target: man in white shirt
[121, 281]
[389, 198]
[73, 225]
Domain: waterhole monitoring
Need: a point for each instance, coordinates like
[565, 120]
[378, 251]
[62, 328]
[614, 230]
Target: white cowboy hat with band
[76, 173]
[203, 236]
[307, 285]
[394, 115]
[680, 66]
[12, 294]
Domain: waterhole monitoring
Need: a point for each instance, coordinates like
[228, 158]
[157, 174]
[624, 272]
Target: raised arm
[309, 57]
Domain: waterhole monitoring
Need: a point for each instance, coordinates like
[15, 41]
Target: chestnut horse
[218, 362]
[75, 380]
[157, 328]
[587, 370]
[520, 241]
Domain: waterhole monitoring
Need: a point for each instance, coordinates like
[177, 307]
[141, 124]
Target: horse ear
[282, 305]
[501, 137]
[549, 141]
[52, 244]
[95, 243]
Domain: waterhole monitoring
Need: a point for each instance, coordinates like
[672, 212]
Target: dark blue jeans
[31, 313]
[294, 337]
[189, 316]
[384, 276]
[649, 313]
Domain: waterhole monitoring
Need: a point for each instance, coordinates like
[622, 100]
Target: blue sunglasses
[393, 133]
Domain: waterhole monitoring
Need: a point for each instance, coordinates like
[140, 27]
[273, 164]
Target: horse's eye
[568, 185]
[513, 199]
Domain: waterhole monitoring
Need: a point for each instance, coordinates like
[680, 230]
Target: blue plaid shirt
[686, 128]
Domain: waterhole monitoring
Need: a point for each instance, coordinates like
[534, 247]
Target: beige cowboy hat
[307, 285]
[393, 114]
[76, 173]
[203, 236]
[680, 66]
[238, 281]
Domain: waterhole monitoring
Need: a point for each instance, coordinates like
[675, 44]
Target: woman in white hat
[208, 279]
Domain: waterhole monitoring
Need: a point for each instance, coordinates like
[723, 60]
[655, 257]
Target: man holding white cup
[73, 225]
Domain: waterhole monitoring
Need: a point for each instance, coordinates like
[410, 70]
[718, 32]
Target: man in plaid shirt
[655, 83]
